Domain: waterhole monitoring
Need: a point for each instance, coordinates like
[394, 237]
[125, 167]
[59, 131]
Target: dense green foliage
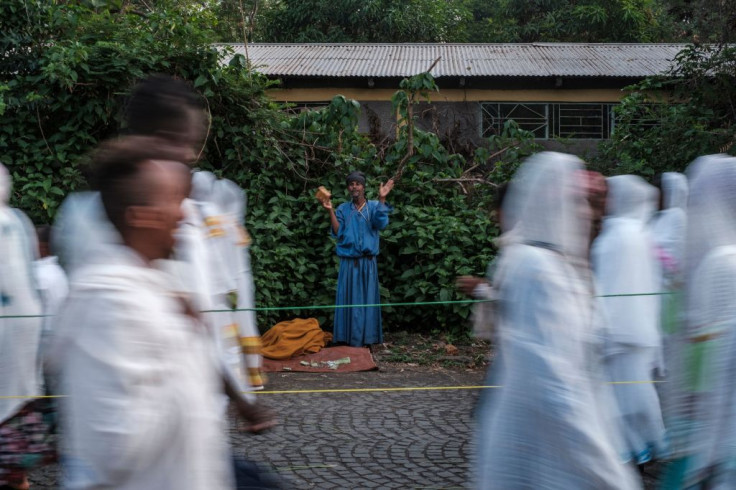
[67, 68]
[572, 21]
[64, 79]
[472, 21]
[363, 21]
[666, 122]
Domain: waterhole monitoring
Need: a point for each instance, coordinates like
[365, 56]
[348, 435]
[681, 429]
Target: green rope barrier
[324, 307]
[375, 305]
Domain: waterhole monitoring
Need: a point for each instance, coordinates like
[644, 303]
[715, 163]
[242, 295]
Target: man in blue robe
[356, 225]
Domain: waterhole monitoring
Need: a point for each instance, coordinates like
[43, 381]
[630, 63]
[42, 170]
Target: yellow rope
[366, 390]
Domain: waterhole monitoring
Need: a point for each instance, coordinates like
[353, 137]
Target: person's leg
[341, 332]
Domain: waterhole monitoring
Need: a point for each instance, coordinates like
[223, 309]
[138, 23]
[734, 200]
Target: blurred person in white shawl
[482, 288]
[625, 263]
[24, 428]
[706, 405]
[231, 201]
[142, 392]
[546, 428]
[668, 225]
[217, 205]
[668, 230]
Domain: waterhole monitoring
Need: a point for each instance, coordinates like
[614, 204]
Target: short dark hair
[159, 104]
[117, 166]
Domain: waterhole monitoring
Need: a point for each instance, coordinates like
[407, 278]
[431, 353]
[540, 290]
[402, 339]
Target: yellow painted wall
[451, 95]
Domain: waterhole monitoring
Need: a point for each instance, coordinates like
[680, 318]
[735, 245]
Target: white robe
[624, 262]
[712, 438]
[230, 200]
[19, 337]
[218, 209]
[706, 401]
[142, 384]
[546, 426]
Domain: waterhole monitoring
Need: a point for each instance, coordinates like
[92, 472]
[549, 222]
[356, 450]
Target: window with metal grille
[548, 120]
[581, 121]
[532, 117]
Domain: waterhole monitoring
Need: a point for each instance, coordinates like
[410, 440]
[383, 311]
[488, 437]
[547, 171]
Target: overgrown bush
[668, 121]
[67, 68]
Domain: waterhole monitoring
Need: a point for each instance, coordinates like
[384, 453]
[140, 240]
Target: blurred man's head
[168, 108]
[142, 182]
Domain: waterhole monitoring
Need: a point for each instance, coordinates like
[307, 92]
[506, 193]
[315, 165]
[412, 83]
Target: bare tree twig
[38, 118]
[209, 128]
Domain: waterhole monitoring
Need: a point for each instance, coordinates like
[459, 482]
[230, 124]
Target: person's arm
[258, 416]
[379, 216]
[384, 190]
[334, 223]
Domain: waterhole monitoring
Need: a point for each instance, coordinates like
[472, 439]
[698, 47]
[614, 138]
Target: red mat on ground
[340, 359]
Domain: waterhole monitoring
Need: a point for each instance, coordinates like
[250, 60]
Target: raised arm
[327, 204]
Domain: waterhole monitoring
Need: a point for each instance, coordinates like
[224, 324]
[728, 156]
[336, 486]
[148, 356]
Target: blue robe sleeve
[379, 216]
[340, 214]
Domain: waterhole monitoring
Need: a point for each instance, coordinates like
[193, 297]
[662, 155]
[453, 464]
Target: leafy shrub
[68, 66]
[656, 133]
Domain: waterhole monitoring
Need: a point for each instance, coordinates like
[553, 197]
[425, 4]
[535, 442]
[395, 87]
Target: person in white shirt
[136, 363]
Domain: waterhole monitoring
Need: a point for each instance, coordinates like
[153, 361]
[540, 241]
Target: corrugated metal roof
[469, 60]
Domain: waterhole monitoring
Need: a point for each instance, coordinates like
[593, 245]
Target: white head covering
[631, 197]
[229, 199]
[711, 207]
[202, 186]
[674, 190]
[547, 204]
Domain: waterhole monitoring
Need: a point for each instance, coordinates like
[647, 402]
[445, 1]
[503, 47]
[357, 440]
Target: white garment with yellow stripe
[228, 275]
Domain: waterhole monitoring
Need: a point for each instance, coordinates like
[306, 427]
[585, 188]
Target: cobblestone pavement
[386, 439]
[414, 439]
[355, 440]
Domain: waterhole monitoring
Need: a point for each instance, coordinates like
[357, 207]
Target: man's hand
[385, 189]
[327, 204]
[467, 284]
[258, 418]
